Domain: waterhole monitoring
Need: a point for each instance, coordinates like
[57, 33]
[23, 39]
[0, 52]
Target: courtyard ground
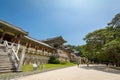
[93, 72]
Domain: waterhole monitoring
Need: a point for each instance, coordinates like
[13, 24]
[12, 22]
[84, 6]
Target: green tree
[112, 49]
[94, 43]
[103, 45]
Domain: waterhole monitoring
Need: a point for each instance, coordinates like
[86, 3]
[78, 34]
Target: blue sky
[72, 19]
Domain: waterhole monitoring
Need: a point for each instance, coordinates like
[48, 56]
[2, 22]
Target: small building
[57, 43]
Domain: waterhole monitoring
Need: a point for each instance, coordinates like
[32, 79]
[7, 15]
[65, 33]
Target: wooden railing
[14, 47]
[40, 52]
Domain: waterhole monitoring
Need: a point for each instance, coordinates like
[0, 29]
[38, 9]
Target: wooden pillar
[37, 48]
[14, 39]
[3, 34]
[29, 45]
[42, 49]
[26, 44]
[18, 38]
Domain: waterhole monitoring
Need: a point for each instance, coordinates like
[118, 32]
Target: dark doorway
[8, 37]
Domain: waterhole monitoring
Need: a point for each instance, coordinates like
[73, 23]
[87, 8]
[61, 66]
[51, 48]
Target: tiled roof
[55, 38]
[38, 42]
[14, 27]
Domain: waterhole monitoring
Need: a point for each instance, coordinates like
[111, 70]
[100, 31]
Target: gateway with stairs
[8, 57]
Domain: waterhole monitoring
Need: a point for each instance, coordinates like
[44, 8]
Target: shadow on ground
[101, 68]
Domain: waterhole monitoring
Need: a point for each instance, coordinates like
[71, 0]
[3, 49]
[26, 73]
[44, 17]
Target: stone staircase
[6, 64]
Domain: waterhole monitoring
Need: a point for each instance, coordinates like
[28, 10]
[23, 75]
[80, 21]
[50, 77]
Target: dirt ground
[83, 72]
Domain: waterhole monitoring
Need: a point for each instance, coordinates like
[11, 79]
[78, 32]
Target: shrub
[53, 60]
[63, 62]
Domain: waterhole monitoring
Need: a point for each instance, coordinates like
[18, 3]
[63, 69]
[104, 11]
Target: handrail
[5, 43]
[14, 50]
[15, 54]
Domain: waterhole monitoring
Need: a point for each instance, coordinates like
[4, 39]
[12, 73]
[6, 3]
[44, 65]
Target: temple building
[57, 43]
[17, 48]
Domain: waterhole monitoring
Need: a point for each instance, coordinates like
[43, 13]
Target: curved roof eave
[39, 42]
[14, 27]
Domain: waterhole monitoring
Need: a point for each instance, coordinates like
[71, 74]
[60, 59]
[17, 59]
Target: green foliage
[27, 68]
[53, 60]
[103, 45]
[63, 62]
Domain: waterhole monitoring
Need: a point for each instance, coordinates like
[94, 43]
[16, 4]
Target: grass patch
[27, 68]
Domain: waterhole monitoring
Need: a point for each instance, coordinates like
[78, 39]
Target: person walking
[78, 62]
[35, 66]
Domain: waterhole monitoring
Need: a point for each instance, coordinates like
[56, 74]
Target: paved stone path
[74, 73]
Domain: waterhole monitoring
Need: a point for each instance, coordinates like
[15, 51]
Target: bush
[63, 62]
[53, 60]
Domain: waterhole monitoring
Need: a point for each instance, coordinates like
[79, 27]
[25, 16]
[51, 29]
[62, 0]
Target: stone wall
[32, 58]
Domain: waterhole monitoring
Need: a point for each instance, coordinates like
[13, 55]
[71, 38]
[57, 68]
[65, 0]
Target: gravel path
[74, 73]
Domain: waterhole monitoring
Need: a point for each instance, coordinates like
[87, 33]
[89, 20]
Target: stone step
[5, 63]
[6, 71]
[3, 53]
[4, 56]
[7, 66]
[4, 67]
[4, 59]
[2, 47]
[2, 50]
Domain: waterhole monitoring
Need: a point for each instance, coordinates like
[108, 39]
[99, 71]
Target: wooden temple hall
[17, 48]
